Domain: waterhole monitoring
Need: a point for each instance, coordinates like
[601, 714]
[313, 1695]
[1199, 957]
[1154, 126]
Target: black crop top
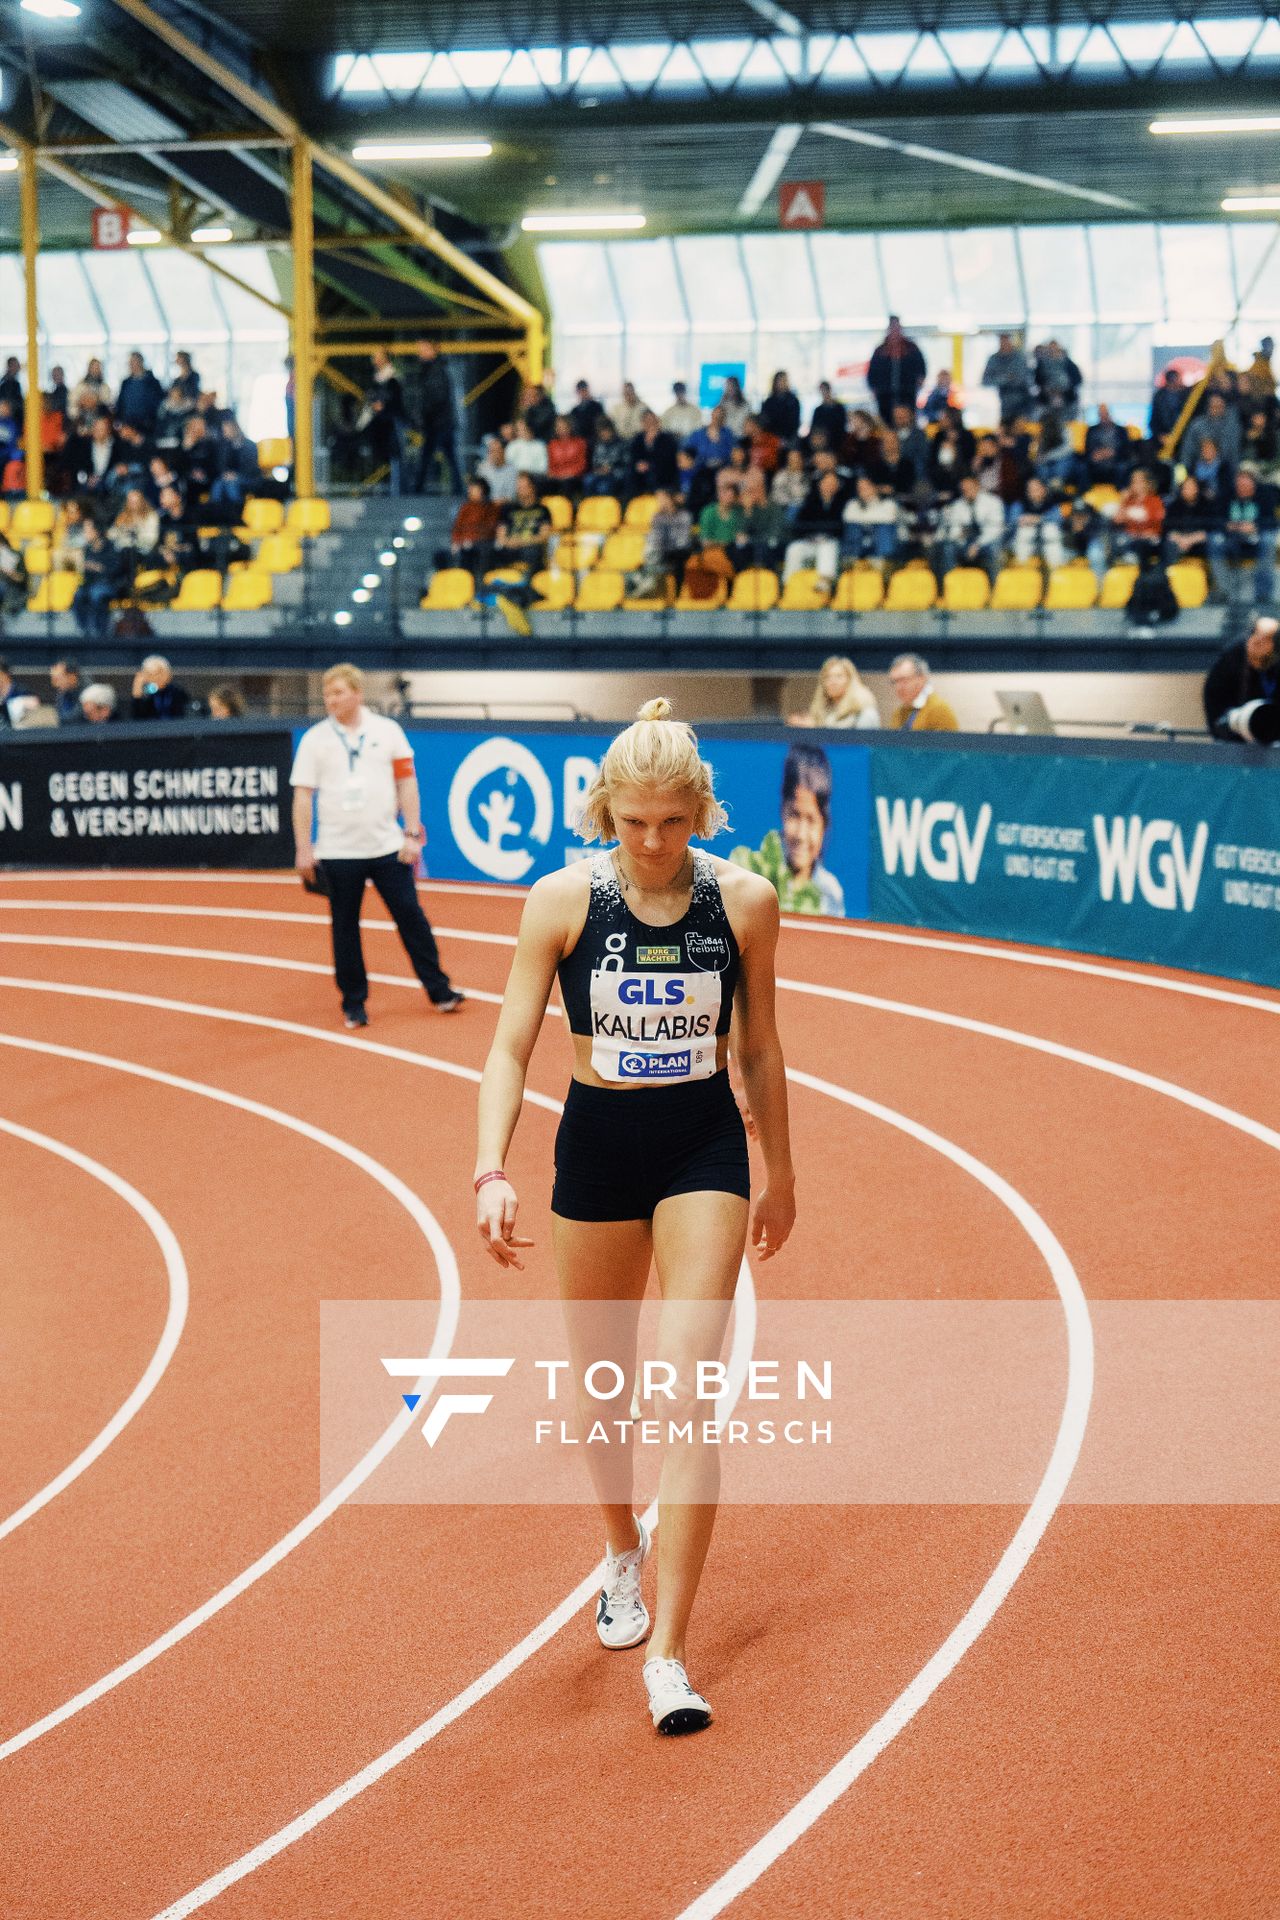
[653, 999]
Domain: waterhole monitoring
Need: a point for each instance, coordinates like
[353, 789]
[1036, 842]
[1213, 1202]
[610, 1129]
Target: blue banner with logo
[1175, 863]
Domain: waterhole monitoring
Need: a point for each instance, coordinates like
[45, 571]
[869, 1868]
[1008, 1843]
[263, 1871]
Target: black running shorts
[619, 1152]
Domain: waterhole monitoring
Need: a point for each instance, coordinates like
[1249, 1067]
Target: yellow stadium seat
[306, 518]
[805, 592]
[601, 514]
[1017, 590]
[640, 511]
[451, 589]
[247, 591]
[687, 602]
[275, 453]
[29, 519]
[36, 557]
[755, 590]
[54, 593]
[4, 516]
[150, 577]
[1071, 588]
[600, 591]
[965, 590]
[1102, 498]
[279, 553]
[1076, 431]
[1117, 585]
[1189, 582]
[652, 602]
[912, 589]
[561, 511]
[201, 590]
[555, 590]
[623, 550]
[860, 589]
[262, 517]
[1135, 433]
[572, 555]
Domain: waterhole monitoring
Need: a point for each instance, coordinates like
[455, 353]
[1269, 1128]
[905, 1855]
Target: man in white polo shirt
[360, 765]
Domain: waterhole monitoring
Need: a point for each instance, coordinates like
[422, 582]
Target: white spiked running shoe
[622, 1619]
[674, 1705]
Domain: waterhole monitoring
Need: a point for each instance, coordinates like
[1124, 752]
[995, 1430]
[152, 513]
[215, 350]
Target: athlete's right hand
[496, 1207]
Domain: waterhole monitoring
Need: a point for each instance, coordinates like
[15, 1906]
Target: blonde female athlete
[658, 947]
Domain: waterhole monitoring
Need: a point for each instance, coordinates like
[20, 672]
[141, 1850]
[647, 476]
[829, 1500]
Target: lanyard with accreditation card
[353, 791]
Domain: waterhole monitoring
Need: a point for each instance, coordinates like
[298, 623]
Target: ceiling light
[8, 162]
[51, 9]
[143, 237]
[398, 541]
[413, 524]
[1226, 123]
[342, 618]
[1251, 203]
[387, 559]
[211, 236]
[582, 222]
[371, 580]
[361, 596]
[422, 150]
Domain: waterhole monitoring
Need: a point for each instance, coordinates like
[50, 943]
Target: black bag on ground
[1153, 602]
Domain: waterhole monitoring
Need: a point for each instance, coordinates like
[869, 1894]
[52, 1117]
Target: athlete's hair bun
[658, 709]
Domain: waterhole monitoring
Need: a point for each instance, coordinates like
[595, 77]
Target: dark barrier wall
[146, 796]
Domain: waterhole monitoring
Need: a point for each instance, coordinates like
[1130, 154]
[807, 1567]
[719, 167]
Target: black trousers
[394, 882]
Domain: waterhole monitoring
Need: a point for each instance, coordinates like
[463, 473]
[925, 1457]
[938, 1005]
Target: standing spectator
[1007, 371]
[474, 530]
[64, 677]
[920, 708]
[971, 530]
[610, 462]
[526, 452]
[1250, 534]
[939, 398]
[358, 768]
[870, 524]
[1259, 383]
[57, 399]
[186, 379]
[681, 418]
[90, 397]
[1106, 451]
[139, 398]
[628, 413]
[733, 404]
[1037, 530]
[431, 410]
[384, 410]
[1167, 402]
[539, 410]
[1218, 423]
[156, 695]
[586, 413]
[567, 453]
[496, 471]
[841, 698]
[830, 416]
[1139, 518]
[780, 410]
[895, 373]
[11, 391]
[98, 703]
[104, 577]
[1056, 377]
[818, 527]
[653, 457]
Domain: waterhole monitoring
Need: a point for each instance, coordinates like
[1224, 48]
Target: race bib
[654, 1026]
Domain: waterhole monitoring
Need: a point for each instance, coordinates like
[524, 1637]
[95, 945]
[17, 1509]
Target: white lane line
[286, 877]
[442, 1340]
[175, 1317]
[236, 913]
[1053, 1484]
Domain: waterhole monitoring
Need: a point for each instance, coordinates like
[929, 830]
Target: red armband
[403, 769]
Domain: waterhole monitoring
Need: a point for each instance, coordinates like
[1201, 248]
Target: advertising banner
[142, 798]
[1178, 864]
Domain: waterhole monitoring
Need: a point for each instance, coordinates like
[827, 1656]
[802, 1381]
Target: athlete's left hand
[772, 1221]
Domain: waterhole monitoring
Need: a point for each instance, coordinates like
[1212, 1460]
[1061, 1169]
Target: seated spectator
[818, 529]
[1087, 535]
[1106, 452]
[1259, 450]
[1167, 402]
[712, 445]
[10, 435]
[668, 542]
[237, 465]
[971, 530]
[161, 473]
[761, 540]
[891, 472]
[780, 411]
[98, 703]
[526, 452]
[90, 397]
[1139, 518]
[695, 485]
[870, 524]
[1250, 534]
[1219, 423]
[913, 445]
[226, 702]
[56, 398]
[764, 447]
[720, 522]
[733, 405]
[949, 460]
[156, 694]
[1056, 378]
[138, 401]
[1007, 371]
[895, 371]
[681, 418]
[789, 487]
[1242, 688]
[1213, 475]
[610, 471]
[1258, 384]
[1056, 460]
[586, 413]
[105, 575]
[538, 411]
[1190, 525]
[474, 530]
[830, 417]
[175, 411]
[653, 457]
[13, 577]
[1037, 526]
[64, 678]
[497, 471]
[628, 413]
[938, 399]
[136, 528]
[524, 529]
[920, 708]
[198, 456]
[70, 537]
[841, 698]
[567, 455]
[918, 521]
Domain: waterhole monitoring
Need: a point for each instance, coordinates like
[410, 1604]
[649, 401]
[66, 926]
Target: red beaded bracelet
[497, 1174]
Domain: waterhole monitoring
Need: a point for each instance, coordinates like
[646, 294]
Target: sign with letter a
[802, 203]
[109, 227]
